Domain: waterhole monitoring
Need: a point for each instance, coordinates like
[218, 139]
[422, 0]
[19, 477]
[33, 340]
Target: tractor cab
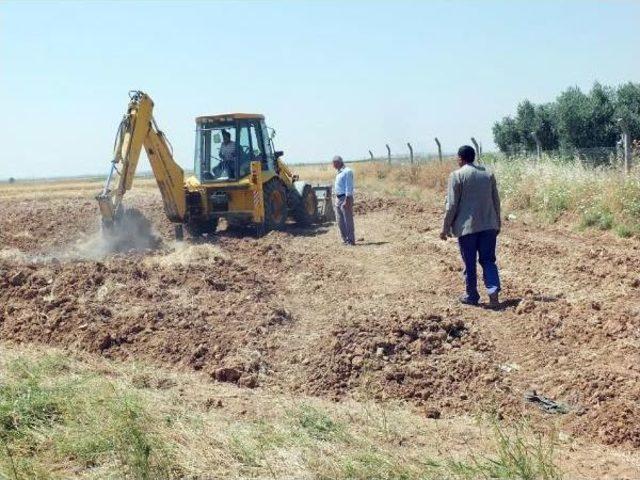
[227, 144]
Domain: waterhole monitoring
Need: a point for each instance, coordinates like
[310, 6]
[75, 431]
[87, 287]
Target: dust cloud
[133, 233]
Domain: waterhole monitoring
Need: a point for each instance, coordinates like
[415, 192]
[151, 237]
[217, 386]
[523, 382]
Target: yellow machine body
[243, 181]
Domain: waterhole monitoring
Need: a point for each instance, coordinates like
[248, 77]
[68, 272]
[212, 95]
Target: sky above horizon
[331, 77]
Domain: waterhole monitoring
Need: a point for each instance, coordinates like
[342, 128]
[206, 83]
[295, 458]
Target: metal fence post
[439, 149]
[478, 149]
[371, 154]
[538, 145]
[626, 148]
[388, 154]
[410, 152]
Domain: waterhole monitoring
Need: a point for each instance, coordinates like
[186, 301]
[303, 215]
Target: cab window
[268, 147]
[244, 143]
[257, 146]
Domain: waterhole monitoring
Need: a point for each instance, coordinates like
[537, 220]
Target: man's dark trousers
[480, 246]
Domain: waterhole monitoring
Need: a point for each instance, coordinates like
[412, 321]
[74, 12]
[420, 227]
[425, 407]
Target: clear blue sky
[331, 77]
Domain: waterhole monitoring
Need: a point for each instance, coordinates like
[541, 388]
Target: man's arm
[348, 184]
[451, 206]
[348, 188]
[496, 200]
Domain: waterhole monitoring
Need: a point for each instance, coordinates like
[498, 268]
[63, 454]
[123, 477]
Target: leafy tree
[546, 128]
[572, 115]
[603, 131]
[627, 107]
[527, 123]
[506, 135]
[575, 120]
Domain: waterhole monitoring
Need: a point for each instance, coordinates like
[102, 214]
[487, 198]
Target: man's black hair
[467, 153]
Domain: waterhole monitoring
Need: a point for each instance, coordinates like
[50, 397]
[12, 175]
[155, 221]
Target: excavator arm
[138, 129]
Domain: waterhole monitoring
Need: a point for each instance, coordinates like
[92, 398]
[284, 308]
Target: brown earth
[299, 312]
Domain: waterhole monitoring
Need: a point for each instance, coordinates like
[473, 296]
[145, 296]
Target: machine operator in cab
[228, 155]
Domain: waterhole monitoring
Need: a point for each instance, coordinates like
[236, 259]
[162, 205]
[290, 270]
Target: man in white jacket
[344, 200]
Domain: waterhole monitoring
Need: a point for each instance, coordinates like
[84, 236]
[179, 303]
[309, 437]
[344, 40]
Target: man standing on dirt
[344, 200]
[473, 215]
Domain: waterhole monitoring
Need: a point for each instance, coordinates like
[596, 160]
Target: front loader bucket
[325, 203]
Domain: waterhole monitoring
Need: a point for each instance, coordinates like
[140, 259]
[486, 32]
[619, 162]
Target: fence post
[626, 148]
[478, 150]
[439, 149]
[388, 154]
[410, 152]
[371, 154]
[538, 145]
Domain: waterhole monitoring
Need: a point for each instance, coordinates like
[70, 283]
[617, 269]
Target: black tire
[305, 211]
[197, 228]
[275, 205]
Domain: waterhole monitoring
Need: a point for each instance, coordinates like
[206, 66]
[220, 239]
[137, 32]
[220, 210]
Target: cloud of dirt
[132, 233]
[13, 255]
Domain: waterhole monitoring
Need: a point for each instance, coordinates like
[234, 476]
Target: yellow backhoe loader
[238, 175]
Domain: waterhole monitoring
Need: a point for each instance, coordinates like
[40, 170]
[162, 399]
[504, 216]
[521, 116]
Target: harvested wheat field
[294, 315]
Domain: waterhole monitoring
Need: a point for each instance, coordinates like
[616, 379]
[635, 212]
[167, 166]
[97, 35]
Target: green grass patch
[597, 218]
[318, 424]
[625, 231]
[50, 418]
[520, 454]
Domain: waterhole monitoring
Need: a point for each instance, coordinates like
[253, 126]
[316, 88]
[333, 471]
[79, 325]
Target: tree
[575, 120]
[603, 131]
[506, 135]
[627, 107]
[526, 124]
[572, 115]
[546, 126]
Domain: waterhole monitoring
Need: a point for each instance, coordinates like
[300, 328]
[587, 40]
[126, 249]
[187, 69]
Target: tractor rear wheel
[306, 206]
[275, 205]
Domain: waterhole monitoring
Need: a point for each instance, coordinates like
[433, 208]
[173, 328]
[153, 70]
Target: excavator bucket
[325, 206]
[107, 210]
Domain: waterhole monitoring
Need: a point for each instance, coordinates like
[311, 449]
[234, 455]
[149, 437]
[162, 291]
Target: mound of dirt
[404, 353]
[366, 203]
[206, 315]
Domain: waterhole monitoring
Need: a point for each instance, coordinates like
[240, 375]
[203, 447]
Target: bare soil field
[297, 312]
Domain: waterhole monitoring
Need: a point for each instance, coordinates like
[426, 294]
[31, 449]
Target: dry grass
[415, 181]
[52, 189]
[90, 418]
[551, 189]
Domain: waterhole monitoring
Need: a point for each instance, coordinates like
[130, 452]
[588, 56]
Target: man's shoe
[465, 300]
[494, 301]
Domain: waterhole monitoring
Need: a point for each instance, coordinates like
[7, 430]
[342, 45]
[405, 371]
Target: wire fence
[622, 156]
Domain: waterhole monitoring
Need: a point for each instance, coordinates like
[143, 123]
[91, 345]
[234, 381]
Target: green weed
[48, 417]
